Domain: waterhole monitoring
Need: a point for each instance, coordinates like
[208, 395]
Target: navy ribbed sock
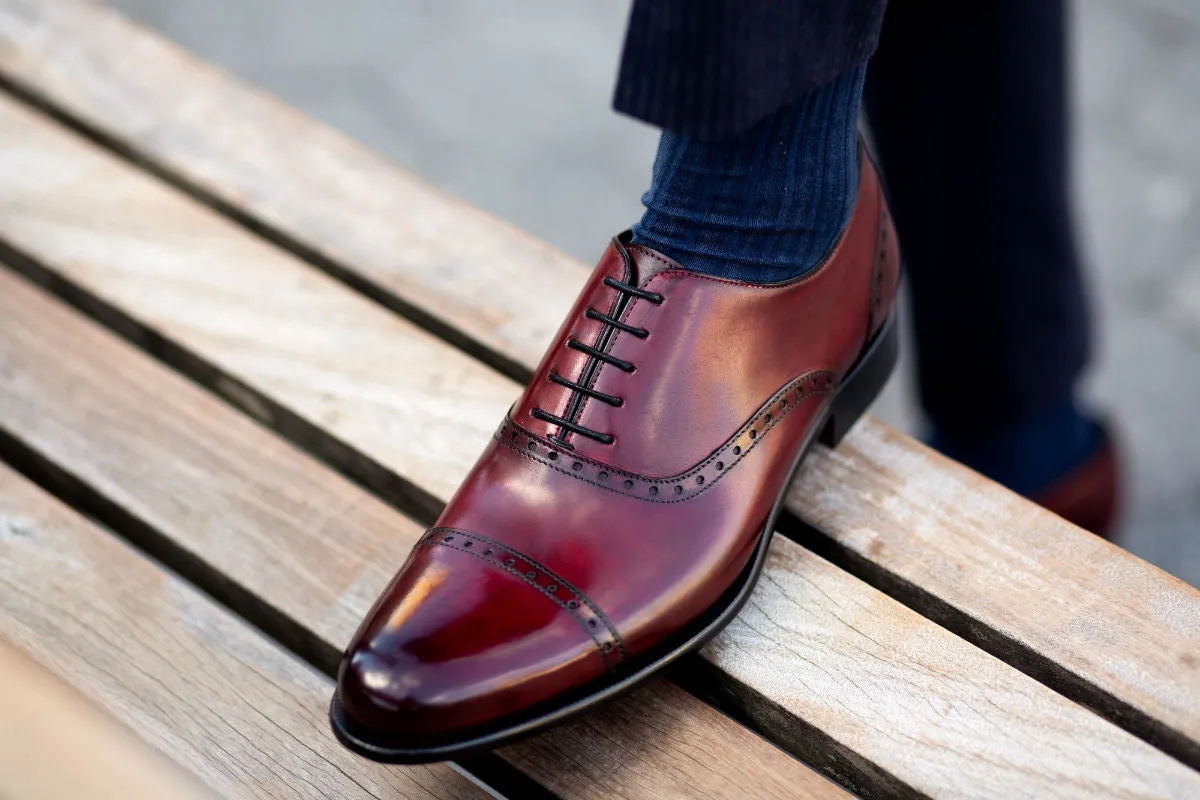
[767, 205]
[1030, 455]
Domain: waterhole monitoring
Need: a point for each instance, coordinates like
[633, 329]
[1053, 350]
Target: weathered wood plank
[455, 267]
[909, 707]
[54, 743]
[1062, 605]
[247, 305]
[413, 239]
[187, 675]
[313, 545]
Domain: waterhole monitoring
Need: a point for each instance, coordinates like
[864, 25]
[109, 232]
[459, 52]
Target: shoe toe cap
[457, 643]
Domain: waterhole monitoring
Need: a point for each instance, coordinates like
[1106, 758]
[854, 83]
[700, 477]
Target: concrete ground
[507, 105]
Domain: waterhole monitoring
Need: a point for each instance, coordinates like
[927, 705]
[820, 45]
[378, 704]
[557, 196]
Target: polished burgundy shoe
[622, 512]
[1087, 495]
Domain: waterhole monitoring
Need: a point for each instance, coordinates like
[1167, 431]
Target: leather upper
[561, 558]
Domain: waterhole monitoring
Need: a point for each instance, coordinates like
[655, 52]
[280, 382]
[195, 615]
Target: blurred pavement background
[507, 106]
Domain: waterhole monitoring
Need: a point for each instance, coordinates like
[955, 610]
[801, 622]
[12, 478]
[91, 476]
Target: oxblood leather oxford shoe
[621, 514]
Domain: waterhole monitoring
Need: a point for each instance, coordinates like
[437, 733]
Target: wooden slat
[1059, 603]
[313, 545]
[909, 707]
[457, 268]
[54, 743]
[185, 674]
[411, 238]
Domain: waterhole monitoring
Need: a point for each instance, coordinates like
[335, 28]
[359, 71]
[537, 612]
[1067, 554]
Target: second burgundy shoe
[622, 512]
[1088, 495]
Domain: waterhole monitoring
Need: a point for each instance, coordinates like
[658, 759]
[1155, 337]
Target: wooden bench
[244, 361]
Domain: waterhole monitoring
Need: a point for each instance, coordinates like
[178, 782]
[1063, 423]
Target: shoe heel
[863, 384]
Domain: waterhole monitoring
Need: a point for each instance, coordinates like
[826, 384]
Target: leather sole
[862, 385]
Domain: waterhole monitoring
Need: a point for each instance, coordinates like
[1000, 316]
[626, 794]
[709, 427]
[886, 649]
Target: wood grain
[908, 708]
[1061, 604]
[353, 206]
[239, 302]
[815, 643]
[54, 743]
[312, 545]
[457, 268]
[188, 676]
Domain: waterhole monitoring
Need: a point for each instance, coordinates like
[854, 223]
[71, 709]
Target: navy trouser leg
[968, 106]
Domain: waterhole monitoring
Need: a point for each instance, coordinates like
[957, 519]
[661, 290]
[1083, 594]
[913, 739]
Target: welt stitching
[656, 481]
[431, 538]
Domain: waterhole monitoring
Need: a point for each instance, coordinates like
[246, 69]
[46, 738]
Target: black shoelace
[597, 355]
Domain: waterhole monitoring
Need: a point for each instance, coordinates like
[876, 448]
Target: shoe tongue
[647, 263]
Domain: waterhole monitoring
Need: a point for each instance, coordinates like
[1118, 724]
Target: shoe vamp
[650, 566]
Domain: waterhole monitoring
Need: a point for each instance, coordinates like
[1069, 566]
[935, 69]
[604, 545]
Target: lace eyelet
[600, 352]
